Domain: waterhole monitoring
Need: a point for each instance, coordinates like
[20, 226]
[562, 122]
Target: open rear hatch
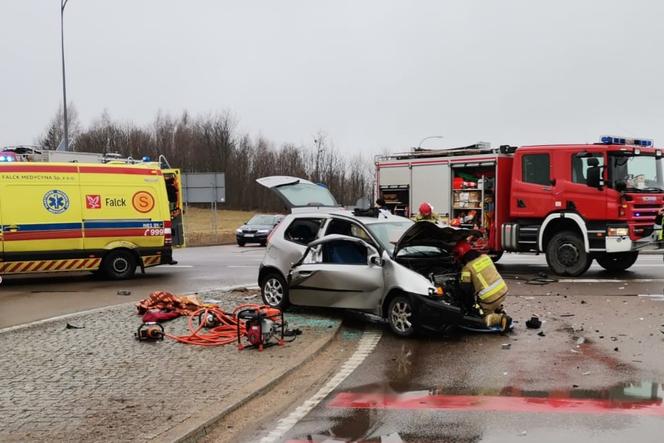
[298, 192]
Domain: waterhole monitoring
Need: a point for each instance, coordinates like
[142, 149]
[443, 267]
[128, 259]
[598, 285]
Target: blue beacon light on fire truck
[612, 140]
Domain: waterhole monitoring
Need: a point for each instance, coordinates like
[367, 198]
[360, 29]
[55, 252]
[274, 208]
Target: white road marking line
[656, 297]
[609, 280]
[367, 344]
[241, 266]
[180, 266]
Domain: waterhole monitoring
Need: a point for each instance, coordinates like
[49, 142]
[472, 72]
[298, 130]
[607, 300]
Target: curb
[103, 308]
[189, 433]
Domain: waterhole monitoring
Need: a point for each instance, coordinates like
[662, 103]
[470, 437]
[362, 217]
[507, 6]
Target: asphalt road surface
[24, 299]
[594, 375]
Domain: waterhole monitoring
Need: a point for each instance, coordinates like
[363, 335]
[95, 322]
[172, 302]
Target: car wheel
[566, 254]
[240, 243]
[617, 262]
[400, 316]
[263, 243]
[119, 265]
[274, 291]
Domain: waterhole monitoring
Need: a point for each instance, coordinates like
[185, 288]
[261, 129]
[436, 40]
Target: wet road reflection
[428, 391]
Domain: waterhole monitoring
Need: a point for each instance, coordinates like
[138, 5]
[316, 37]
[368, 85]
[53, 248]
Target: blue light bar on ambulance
[6, 158]
[611, 140]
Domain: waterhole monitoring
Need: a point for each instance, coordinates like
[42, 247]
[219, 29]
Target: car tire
[274, 291]
[566, 254]
[400, 315]
[119, 265]
[240, 243]
[617, 262]
[263, 243]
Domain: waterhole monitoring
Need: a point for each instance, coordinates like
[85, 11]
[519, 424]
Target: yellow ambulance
[105, 218]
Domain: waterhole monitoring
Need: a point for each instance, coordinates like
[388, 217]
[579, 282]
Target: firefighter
[659, 226]
[426, 213]
[484, 288]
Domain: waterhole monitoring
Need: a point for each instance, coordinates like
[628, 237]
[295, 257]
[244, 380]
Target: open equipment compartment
[473, 198]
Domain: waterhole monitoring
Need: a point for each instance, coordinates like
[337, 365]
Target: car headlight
[436, 292]
[617, 232]
[239, 231]
[263, 231]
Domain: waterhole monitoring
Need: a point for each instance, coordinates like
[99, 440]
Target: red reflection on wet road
[469, 403]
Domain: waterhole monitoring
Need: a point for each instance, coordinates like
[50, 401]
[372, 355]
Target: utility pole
[63, 3]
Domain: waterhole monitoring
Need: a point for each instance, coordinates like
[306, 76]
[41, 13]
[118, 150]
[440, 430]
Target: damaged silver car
[366, 260]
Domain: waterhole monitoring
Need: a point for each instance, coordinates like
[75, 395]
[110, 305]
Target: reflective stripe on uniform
[493, 289]
[482, 263]
[465, 277]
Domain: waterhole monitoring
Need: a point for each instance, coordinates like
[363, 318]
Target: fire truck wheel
[495, 256]
[618, 261]
[119, 265]
[566, 254]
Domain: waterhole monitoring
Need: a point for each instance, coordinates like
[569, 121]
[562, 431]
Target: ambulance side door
[2, 239]
[122, 207]
[41, 211]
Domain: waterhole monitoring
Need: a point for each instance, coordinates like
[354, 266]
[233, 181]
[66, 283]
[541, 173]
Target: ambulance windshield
[636, 173]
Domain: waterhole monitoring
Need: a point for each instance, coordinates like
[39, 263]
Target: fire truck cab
[575, 202]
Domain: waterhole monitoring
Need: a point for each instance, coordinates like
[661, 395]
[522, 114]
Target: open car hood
[424, 233]
[298, 192]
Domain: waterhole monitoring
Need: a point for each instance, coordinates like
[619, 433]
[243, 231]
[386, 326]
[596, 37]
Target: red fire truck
[575, 203]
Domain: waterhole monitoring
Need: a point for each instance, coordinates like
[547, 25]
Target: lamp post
[419, 146]
[63, 3]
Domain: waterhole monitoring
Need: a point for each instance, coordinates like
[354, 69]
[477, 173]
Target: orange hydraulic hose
[225, 333]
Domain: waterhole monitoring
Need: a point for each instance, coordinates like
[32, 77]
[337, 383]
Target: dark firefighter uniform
[481, 276]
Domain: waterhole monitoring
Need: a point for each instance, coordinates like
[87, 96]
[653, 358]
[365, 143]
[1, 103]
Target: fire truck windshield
[635, 173]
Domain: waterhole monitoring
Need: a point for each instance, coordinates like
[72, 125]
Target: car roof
[345, 213]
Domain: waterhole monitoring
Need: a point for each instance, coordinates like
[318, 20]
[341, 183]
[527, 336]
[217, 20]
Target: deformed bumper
[434, 314]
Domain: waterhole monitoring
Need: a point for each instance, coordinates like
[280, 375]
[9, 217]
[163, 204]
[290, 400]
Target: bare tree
[54, 133]
[211, 143]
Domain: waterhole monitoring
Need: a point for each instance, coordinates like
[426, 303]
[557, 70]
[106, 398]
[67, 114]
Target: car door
[583, 194]
[298, 192]
[340, 272]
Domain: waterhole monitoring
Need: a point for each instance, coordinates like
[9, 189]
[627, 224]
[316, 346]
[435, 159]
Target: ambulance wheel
[619, 261]
[274, 291]
[119, 265]
[400, 315]
[566, 254]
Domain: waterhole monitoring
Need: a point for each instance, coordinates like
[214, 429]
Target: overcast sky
[374, 75]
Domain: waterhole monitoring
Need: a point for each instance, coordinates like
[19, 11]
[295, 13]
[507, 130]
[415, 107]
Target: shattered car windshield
[637, 172]
[389, 233]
